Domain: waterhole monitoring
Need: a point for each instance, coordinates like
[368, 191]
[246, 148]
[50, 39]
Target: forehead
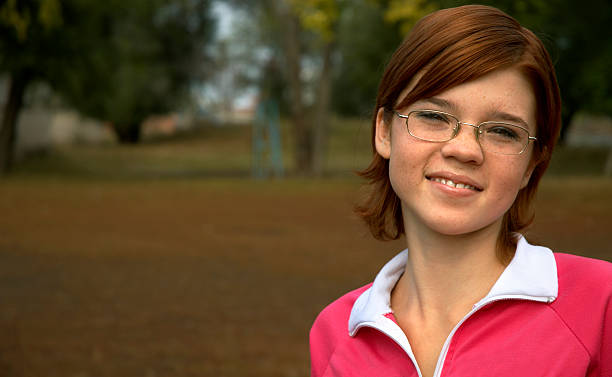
[502, 94]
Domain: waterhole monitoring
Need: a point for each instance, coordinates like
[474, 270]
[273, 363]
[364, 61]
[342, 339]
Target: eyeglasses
[439, 127]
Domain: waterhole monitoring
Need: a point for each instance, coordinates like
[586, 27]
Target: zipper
[476, 308]
[442, 357]
[380, 327]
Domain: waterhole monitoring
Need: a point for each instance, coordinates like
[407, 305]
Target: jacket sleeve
[330, 331]
[606, 345]
[585, 305]
[322, 345]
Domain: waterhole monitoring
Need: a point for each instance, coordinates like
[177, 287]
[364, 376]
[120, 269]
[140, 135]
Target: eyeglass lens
[495, 137]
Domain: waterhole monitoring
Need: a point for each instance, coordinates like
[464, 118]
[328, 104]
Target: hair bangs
[466, 60]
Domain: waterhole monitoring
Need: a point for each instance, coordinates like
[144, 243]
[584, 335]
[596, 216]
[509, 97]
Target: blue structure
[267, 155]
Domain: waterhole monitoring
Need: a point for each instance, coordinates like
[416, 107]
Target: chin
[459, 228]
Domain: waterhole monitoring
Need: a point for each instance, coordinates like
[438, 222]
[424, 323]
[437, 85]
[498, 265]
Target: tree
[300, 33]
[362, 56]
[25, 29]
[110, 61]
[319, 18]
[156, 51]
[583, 52]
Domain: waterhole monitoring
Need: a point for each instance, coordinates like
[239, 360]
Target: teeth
[450, 183]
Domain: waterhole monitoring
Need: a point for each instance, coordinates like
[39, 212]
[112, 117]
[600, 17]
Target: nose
[465, 146]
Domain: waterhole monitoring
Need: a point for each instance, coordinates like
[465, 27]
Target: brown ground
[199, 278]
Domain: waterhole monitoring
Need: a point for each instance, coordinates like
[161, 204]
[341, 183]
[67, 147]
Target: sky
[225, 16]
[210, 93]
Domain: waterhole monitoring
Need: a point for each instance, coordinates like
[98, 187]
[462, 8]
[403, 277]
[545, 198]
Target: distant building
[42, 128]
[43, 124]
[590, 131]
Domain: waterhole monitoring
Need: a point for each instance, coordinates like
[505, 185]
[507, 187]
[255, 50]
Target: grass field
[165, 259]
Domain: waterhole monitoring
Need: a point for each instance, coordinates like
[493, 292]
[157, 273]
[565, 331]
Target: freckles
[404, 173]
[508, 182]
[406, 165]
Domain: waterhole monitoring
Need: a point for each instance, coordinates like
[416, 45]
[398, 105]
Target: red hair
[458, 45]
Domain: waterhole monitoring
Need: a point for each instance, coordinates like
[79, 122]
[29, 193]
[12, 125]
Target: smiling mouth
[450, 183]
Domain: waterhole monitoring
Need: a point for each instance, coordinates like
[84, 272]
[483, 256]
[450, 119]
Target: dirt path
[197, 278]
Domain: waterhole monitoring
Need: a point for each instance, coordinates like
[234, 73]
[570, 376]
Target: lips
[456, 181]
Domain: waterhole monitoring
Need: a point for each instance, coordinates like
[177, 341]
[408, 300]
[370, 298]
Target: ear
[382, 137]
[532, 164]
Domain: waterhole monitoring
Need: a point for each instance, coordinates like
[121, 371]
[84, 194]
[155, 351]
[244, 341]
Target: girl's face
[417, 167]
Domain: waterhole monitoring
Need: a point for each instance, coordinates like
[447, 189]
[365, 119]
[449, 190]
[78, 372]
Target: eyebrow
[497, 115]
[508, 118]
[447, 105]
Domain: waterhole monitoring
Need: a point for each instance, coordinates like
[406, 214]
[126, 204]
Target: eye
[505, 132]
[432, 117]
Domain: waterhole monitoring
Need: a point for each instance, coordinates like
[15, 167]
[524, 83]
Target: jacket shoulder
[330, 328]
[335, 316]
[583, 282]
[584, 271]
[584, 304]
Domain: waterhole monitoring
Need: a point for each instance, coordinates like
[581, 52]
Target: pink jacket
[547, 315]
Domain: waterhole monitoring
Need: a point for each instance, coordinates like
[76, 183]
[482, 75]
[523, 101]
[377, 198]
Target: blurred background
[177, 176]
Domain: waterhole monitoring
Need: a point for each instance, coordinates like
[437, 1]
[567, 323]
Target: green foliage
[50, 14]
[318, 16]
[584, 39]
[155, 51]
[407, 12]
[365, 43]
[16, 19]
[111, 60]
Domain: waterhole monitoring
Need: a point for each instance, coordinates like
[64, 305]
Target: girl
[467, 115]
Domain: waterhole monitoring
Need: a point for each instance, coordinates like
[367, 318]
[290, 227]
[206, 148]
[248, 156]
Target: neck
[446, 275]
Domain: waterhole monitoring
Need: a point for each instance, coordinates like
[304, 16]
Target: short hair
[457, 45]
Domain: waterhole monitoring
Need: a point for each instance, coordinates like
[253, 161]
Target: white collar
[531, 275]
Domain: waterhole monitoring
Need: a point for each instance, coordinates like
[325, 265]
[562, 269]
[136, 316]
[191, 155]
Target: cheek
[510, 181]
[406, 167]
[400, 177]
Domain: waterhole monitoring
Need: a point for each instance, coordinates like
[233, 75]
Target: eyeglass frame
[457, 128]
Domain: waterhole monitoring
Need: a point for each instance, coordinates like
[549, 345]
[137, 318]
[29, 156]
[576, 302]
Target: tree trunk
[608, 167]
[566, 118]
[321, 116]
[303, 141]
[8, 128]
[128, 134]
